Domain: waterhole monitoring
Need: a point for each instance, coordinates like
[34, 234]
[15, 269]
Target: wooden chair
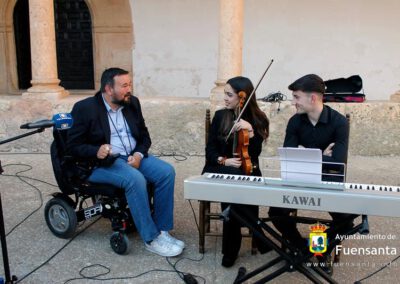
[206, 212]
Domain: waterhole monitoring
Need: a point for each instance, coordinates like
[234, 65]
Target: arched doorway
[22, 43]
[74, 44]
[111, 41]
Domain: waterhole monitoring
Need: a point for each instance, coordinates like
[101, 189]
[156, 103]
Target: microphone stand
[7, 274]
[9, 279]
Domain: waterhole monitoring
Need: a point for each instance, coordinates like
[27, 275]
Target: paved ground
[31, 243]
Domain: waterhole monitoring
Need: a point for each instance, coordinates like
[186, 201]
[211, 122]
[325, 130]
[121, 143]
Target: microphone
[60, 121]
[45, 123]
[63, 121]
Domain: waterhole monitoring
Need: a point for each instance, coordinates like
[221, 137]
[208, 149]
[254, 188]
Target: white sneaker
[162, 247]
[168, 238]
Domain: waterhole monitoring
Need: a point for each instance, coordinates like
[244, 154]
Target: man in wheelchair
[110, 128]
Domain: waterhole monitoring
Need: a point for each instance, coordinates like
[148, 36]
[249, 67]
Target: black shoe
[228, 261]
[263, 248]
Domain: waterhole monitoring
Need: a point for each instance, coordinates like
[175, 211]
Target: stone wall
[177, 125]
[333, 39]
[373, 128]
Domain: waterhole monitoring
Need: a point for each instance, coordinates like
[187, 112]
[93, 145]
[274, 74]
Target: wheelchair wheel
[60, 218]
[119, 243]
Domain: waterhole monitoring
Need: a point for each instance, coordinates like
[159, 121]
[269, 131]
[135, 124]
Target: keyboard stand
[293, 260]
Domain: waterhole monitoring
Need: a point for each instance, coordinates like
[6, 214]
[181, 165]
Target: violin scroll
[242, 98]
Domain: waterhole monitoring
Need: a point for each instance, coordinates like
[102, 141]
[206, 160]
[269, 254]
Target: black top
[91, 127]
[332, 127]
[217, 147]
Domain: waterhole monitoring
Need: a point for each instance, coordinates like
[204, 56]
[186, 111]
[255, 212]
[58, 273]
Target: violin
[252, 93]
[241, 138]
[241, 141]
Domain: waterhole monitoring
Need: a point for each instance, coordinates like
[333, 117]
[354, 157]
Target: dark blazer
[91, 128]
[217, 146]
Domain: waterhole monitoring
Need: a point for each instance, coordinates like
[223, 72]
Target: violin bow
[248, 100]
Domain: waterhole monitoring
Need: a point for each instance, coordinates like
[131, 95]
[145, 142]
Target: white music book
[301, 164]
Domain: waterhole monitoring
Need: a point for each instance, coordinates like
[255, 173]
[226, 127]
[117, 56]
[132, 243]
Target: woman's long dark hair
[252, 113]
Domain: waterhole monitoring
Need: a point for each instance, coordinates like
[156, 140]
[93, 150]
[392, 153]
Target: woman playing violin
[222, 154]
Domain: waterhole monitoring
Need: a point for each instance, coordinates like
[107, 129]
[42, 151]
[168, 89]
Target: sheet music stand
[301, 164]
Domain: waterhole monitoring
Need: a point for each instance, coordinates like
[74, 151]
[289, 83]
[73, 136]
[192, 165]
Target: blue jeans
[134, 181]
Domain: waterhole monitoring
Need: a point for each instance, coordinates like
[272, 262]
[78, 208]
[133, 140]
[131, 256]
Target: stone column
[3, 59]
[395, 97]
[230, 47]
[45, 82]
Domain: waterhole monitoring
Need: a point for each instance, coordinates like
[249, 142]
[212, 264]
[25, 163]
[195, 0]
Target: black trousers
[231, 232]
[287, 226]
[232, 236]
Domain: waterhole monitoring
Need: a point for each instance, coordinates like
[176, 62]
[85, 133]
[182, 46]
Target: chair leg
[337, 256]
[207, 218]
[253, 245]
[202, 206]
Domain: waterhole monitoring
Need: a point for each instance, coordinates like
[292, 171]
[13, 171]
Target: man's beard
[125, 101]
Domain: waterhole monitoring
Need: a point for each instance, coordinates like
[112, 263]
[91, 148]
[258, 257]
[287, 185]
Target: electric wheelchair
[69, 207]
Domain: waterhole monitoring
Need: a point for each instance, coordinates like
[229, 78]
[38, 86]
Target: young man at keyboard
[315, 125]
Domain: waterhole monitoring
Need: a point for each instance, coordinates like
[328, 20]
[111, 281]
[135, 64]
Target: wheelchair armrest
[109, 160]
[81, 168]
[76, 167]
[69, 158]
[79, 159]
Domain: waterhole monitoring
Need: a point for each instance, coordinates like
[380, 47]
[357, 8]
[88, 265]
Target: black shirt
[217, 146]
[332, 127]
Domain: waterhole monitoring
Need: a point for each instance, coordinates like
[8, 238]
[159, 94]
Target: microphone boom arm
[39, 130]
